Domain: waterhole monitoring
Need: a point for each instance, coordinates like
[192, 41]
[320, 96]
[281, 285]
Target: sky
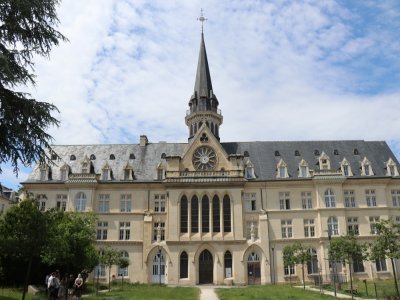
[282, 71]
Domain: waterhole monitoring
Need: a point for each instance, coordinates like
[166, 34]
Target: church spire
[203, 103]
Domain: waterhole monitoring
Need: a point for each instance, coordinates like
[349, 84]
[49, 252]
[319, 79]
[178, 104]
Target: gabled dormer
[281, 169]
[86, 165]
[391, 168]
[128, 172]
[160, 172]
[45, 172]
[304, 170]
[366, 168]
[249, 170]
[64, 172]
[346, 168]
[324, 162]
[106, 172]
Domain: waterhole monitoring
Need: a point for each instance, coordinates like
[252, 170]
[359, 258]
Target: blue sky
[282, 70]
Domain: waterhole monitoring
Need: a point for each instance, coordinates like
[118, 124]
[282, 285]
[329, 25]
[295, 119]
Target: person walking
[78, 286]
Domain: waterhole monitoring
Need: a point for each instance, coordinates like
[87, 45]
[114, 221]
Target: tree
[289, 259]
[23, 235]
[71, 243]
[296, 254]
[387, 245]
[347, 249]
[123, 262]
[27, 29]
[109, 257]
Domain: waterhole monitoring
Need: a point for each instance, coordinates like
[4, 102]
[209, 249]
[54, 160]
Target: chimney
[143, 141]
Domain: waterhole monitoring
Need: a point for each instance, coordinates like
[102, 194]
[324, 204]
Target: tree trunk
[28, 273]
[302, 273]
[122, 280]
[351, 280]
[394, 277]
[109, 278]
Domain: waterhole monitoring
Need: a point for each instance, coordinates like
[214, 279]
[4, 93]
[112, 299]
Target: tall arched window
[123, 272]
[312, 264]
[228, 264]
[184, 215]
[333, 227]
[183, 268]
[216, 214]
[330, 200]
[80, 202]
[195, 214]
[205, 214]
[227, 214]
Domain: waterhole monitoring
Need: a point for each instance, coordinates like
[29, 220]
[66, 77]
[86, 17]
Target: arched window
[80, 202]
[72, 157]
[253, 256]
[183, 268]
[123, 272]
[205, 214]
[227, 214]
[216, 214]
[228, 264]
[333, 227]
[330, 200]
[312, 264]
[194, 207]
[184, 214]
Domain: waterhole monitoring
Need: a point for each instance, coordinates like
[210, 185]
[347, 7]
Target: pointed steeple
[202, 85]
[203, 104]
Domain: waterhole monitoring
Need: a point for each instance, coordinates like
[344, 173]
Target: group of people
[64, 288]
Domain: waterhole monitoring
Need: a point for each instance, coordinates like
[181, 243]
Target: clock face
[204, 159]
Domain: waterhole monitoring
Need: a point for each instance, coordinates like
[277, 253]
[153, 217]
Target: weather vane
[201, 19]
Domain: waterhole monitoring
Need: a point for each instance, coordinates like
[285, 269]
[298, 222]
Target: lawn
[268, 292]
[11, 294]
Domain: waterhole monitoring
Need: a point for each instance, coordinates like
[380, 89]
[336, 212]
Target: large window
[123, 271]
[104, 203]
[330, 200]
[100, 271]
[284, 200]
[333, 227]
[306, 200]
[309, 228]
[358, 266]
[250, 201]
[124, 230]
[289, 270]
[349, 199]
[159, 203]
[216, 214]
[228, 264]
[183, 268]
[41, 201]
[102, 230]
[380, 265]
[194, 208]
[352, 226]
[227, 213]
[312, 264]
[125, 203]
[61, 203]
[205, 214]
[184, 214]
[286, 227]
[80, 202]
[372, 224]
[370, 198]
[396, 198]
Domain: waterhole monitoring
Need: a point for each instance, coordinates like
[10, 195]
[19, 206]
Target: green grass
[11, 294]
[147, 292]
[268, 292]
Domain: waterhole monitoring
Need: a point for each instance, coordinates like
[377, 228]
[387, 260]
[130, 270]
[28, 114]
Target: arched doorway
[205, 267]
[253, 269]
[158, 275]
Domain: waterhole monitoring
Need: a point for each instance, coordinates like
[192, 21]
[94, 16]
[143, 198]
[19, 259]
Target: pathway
[330, 293]
[207, 292]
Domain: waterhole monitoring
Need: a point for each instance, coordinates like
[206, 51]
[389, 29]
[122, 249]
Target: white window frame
[289, 270]
[353, 226]
[123, 272]
[80, 201]
[155, 230]
[381, 265]
[159, 203]
[306, 200]
[370, 197]
[287, 229]
[250, 200]
[284, 200]
[330, 198]
[309, 227]
[61, 202]
[124, 231]
[333, 226]
[41, 201]
[372, 221]
[349, 198]
[102, 230]
[395, 198]
[125, 203]
[104, 203]
[281, 169]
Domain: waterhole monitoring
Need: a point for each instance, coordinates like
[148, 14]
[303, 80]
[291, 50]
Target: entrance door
[158, 275]
[253, 269]
[205, 267]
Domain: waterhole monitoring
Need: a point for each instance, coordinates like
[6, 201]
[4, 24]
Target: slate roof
[261, 154]
[203, 85]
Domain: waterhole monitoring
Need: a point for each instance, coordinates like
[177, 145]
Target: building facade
[221, 213]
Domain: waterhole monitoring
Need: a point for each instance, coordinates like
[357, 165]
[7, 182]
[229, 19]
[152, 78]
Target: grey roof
[8, 193]
[203, 85]
[261, 154]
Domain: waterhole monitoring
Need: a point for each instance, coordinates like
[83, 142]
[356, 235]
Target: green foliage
[296, 254]
[71, 243]
[27, 29]
[347, 249]
[109, 257]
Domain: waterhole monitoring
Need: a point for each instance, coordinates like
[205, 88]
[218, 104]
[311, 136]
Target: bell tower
[203, 105]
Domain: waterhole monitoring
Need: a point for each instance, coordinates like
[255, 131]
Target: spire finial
[201, 19]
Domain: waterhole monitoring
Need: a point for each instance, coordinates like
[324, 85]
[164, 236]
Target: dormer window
[85, 166]
[282, 169]
[355, 151]
[335, 152]
[112, 157]
[324, 162]
[44, 173]
[163, 155]
[64, 172]
[277, 153]
[128, 172]
[92, 157]
[296, 153]
[316, 152]
[303, 169]
[391, 168]
[106, 173]
[131, 156]
[345, 167]
[249, 170]
[366, 169]
[72, 157]
[160, 172]
[246, 154]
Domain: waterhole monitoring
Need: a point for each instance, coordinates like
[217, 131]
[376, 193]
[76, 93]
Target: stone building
[216, 212]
